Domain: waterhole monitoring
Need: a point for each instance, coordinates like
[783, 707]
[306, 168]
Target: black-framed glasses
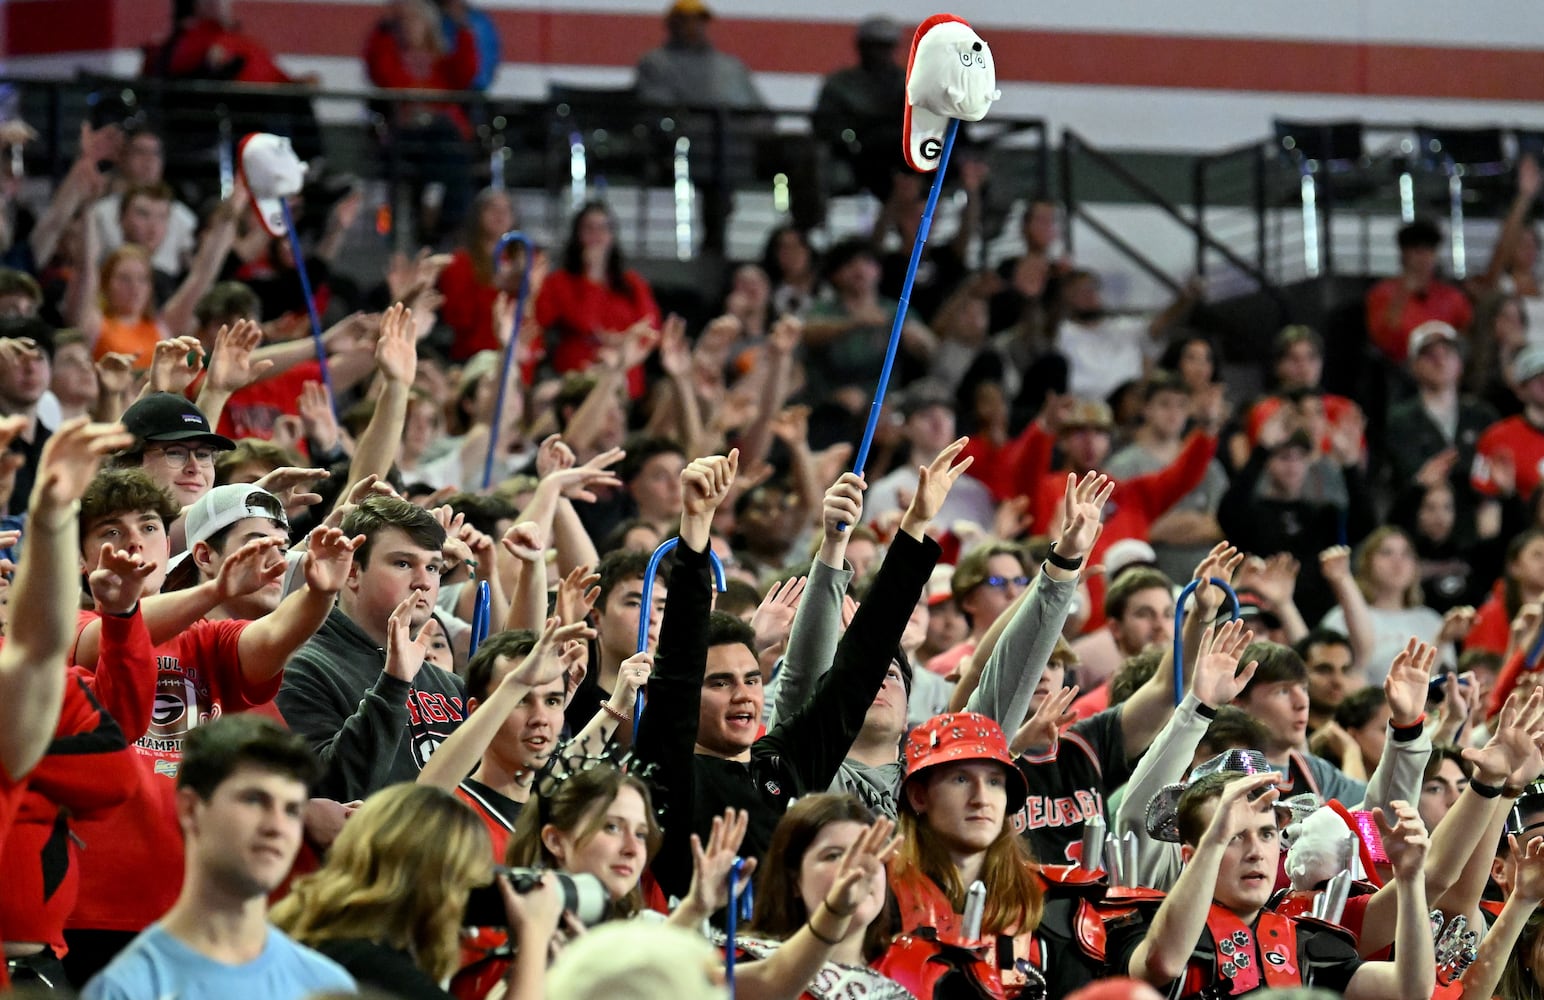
[999, 582]
[176, 456]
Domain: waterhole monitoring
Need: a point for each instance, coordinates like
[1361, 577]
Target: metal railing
[572, 144]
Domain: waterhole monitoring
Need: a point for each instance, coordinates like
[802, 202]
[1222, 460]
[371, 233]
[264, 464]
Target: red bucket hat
[955, 737]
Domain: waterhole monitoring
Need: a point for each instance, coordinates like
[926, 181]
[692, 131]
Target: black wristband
[1061, 561]
[1485, 791]
[1205, 711]
[1404, 734]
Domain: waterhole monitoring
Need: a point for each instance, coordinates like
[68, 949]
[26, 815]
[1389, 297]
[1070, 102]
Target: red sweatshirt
[455, 70]
[89, 770]
[575, 311]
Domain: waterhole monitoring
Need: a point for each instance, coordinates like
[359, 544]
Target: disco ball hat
[1163, 810]
[958, 737]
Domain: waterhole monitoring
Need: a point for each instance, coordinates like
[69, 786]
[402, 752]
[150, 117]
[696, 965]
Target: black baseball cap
[166, 416]
[29, 328]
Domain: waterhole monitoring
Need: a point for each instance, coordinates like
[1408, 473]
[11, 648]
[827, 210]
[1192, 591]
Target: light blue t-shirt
[156, 966]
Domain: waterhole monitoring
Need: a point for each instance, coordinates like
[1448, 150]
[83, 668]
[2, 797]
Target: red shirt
[1336, 409]
[1519, 439]
[206, 45]
[10, 798]
[89, 770]
[1440, 300]
[575, 311]
[1133, 507]
[131, 869]
[1492, 625]
[468, 308]
[251, 412]
[454, 70]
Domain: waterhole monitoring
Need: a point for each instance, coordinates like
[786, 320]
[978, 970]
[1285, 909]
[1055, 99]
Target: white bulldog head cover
[272, 171]
[1322, 846]
[950, 75]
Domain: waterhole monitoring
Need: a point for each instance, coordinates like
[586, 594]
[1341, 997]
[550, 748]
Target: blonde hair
[110, 265]
[1017, 899]
[637, 960]
[1413, 597]
[398, 874]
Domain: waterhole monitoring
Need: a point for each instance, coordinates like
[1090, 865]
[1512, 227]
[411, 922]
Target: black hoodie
[370, 729]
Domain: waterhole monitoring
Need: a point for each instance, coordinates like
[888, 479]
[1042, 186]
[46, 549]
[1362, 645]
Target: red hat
[955, 737]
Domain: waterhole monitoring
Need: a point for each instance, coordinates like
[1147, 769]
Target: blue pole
[646, 605]
[1179, 621]
[514, 236]
[917, 245]
[482, 611]
[1532, 660]
[731, 920]
[305, 287]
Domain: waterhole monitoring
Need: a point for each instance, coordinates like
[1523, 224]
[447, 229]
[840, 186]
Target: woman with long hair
[472, 281]
[387, 904]
[793, 269]
[797, 875]
[593, 298]
[961, 792]
[1521, 583]
[1388, 574]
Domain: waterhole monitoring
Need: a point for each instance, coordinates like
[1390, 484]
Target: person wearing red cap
[1213, 933]
[960, 793]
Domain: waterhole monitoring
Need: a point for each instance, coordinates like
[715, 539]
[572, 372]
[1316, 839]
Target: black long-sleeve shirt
[801, 754]
[1264, 526]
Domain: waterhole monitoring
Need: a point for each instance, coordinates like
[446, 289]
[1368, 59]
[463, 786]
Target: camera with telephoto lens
[583, 895]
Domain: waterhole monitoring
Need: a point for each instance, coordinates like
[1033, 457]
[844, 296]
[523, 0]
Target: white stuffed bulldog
[272, 171]
[949, 75]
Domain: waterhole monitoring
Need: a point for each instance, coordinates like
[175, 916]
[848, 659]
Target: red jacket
[453, 70]
[1440, 300]
[206, 45]
[468, 308]
[575, 311]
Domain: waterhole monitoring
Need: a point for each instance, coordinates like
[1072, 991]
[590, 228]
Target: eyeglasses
[176, 456]
[999, 582]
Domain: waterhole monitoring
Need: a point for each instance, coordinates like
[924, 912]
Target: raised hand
[675, 354]
[405, 652]
[1218, 680]
[1456, 624]
[230, 363]
[553, 455]
[843, 505]
[862, 867]
[786, 334]
[250, 568]
[1511, 748]
[706, 482]
[581, 481]
[1408, 682]
[1012, 520]
[329, 556]
[934, 481]
[527, 542]
[174, 364]
[396, 352]
[1042, 729]
[545, 663]
[1525, 625]
[1239, 809]
[317, 416]
[1528, 883]
[1082, 513]
[115, 373]
[773, 620]
[1405, 842]
[69, 462]
[632, 675]
[119, 580]
[711, 865]
[577, 594]
[1276, 578]
[1335, 566]
[292, 485]
[1221, 563]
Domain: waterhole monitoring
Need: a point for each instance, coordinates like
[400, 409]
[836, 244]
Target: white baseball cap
[223, 506]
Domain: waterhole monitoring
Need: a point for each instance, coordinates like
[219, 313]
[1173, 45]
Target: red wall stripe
[554, 37]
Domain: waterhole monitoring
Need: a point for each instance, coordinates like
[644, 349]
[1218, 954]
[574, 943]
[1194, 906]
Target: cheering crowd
[355, 673]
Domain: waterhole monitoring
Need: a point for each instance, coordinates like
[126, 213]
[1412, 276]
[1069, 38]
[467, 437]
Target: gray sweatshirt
[1024, 649]
[1398, 776]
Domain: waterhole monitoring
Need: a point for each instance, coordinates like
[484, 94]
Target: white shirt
[968, 500]
[175, 250]
[1103, 356]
